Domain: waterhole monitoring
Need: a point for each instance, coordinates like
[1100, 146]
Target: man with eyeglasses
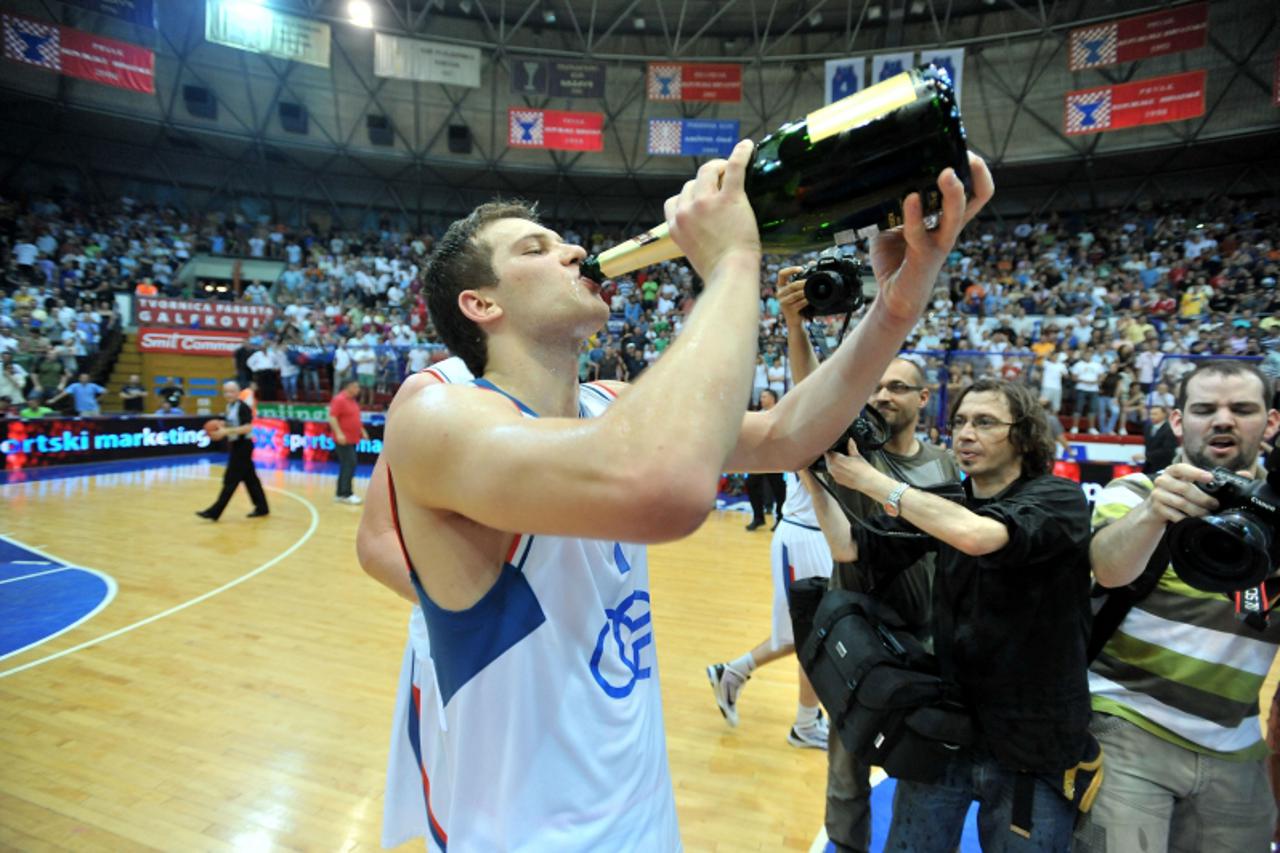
[900, 396]
[1010, 618]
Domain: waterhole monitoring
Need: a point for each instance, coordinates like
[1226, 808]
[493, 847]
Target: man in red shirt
[344, 420]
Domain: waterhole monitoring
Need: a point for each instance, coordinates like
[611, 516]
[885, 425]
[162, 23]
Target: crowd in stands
[1101, 313]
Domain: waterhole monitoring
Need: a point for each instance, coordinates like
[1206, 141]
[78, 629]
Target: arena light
[874, 13]
[815, 18]
[360, 13]
[638, 22]
[548, 15]
[917, 7]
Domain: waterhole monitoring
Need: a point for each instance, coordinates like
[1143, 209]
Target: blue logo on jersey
[623, 638]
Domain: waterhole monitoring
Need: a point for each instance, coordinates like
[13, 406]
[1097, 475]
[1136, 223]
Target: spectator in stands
[84, 394]
[133, 395]
[13, 380]
[35, 407]
[366, 364]
[1087, 372]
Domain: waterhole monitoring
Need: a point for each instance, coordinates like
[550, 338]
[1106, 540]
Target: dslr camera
[832, 285]
[869, 432]
[1237, 547]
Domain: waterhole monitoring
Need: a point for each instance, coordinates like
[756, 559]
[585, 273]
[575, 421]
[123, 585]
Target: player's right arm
[804, 361]
[831, 519]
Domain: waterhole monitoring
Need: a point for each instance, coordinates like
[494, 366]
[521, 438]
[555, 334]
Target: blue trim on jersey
[786, 574]
[485, 383]
[464, 642]
[786, 520]
[620, 559]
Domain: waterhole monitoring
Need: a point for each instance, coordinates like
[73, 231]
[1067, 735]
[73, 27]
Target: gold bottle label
[861, 107]
[649, 248]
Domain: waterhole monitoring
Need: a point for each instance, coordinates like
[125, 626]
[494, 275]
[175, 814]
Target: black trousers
[764, 491]
[346, 468]
[240, 470]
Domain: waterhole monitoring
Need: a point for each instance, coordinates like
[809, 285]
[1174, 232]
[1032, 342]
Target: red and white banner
[79, 54]
[694, 82]
[555, 130]
[190, 342]
[1155, 101]
[157, 311]
[1131, 39]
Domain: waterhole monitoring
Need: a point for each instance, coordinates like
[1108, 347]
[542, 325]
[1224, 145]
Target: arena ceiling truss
[1015, 78]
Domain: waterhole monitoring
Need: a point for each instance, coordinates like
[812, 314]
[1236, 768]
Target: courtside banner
[689, 137]
[257, 29]
[190, 341]
[694, 82]
[555, 130]
[1161, 99]
[426, 61]
[1131, 39]
[79, 54]
[195, 314]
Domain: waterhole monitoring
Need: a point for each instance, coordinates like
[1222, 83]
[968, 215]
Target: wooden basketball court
[237, 692]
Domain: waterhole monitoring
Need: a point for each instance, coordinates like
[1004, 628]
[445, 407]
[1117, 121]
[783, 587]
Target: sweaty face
[539, 284]
[980, 435]
[1223, 421]
[899, 396]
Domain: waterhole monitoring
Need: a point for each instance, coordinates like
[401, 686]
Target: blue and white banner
[951, 61]
[689, 137]
[886, 65]
[140, 12]
[844, 77]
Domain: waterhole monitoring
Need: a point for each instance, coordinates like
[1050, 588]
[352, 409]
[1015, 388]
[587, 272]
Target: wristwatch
[891, 504]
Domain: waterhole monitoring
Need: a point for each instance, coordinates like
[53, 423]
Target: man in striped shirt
[1175, 689]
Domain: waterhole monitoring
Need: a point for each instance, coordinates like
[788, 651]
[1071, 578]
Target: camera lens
[1221, 553]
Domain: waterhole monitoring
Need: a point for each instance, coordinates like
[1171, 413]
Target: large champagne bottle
[844, 167]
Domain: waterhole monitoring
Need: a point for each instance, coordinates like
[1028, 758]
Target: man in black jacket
[238, 431]
[1161, 445]
[1010, 618]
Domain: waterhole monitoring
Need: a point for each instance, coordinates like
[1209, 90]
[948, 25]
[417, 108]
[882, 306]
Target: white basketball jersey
[405, 813]
[550, 724]
[798, 507]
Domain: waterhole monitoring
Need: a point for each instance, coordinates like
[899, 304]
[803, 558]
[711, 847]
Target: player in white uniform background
[798, 551]
[516, 497]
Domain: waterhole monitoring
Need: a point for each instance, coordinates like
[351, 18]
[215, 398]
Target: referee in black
[237, 431]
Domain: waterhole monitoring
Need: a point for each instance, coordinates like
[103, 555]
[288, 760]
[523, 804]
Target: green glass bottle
[849, 165]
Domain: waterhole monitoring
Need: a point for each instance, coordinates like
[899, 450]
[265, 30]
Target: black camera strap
[1120, 600]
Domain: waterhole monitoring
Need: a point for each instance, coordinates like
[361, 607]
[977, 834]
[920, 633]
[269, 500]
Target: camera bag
[887, 699]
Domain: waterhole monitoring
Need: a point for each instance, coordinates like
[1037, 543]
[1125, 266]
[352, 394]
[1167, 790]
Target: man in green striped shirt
[1175, 689]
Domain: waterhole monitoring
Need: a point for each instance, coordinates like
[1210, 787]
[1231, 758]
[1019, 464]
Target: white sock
[744, 665]
[806, 715]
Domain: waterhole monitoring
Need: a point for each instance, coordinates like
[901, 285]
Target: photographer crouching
[1010, 623]
[1175, 687]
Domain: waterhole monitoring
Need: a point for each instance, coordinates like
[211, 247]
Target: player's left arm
[906, 262]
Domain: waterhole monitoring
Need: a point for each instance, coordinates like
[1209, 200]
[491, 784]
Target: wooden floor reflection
[253, 713]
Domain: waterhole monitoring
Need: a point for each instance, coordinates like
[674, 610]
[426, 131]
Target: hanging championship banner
[1155, 101]
[555, 130]
[1131, 39]
[886, 65]
[694, 82]
[557, 78]
[257, 29]
[140, 12]
[79, 54]
[950, 61]
[844, 77]
[425, 61]
[688, 137]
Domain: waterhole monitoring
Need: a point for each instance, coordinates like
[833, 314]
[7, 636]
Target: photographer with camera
[1010, 614]
[1175, 687]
